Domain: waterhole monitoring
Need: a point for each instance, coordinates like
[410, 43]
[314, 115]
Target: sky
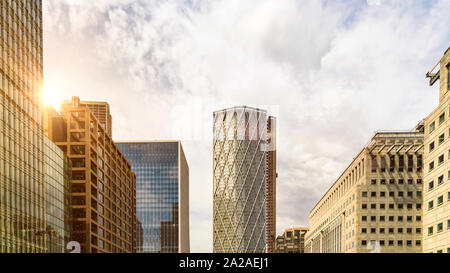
[332, 72]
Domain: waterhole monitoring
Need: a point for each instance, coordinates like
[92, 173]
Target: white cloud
[335, 71]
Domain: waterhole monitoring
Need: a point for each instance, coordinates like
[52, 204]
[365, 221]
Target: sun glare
[51, 97]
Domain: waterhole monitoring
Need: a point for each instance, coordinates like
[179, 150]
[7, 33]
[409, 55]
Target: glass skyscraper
[22, 201]
[244, 175]
[57, 197]
[162, 195]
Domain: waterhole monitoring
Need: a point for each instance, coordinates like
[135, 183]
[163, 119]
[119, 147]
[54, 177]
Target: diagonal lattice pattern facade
[240, 177]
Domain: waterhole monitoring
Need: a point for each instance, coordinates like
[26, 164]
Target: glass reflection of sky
[156, 167]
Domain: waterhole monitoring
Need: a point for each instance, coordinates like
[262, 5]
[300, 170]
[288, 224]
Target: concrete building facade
[436, 220]
[162, 195]
[103, 185]
[100, 109]
[376, 204]
[291, 241]
[244, 174]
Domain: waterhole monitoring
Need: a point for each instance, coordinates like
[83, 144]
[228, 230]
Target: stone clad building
[376, 204]
[436, 218]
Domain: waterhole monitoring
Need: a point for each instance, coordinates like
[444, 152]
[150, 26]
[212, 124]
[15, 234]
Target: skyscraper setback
[244, 180]
[22, 209]
[100, 109]
[162, 195]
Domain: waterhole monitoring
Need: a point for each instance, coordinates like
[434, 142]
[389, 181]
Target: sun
[51, 97]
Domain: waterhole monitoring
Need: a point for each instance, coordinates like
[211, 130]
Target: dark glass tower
[162, 195]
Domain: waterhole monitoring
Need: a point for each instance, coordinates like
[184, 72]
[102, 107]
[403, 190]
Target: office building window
[441, 139]
[430, 204]
[448, 77]
[431, 147]
[419, 163]
[432, 126]
[441, 118]
[401, 163]
[374, 164]
[410, 163]
[440, 159]
[439, 227]
[440, 200]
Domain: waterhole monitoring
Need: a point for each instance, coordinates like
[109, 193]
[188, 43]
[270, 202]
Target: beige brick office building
[436, 218]
[291, 241]
[376, 204]
[103, 184]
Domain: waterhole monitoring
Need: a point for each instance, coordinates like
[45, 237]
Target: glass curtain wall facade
[57, 197]
[241, 189]
[22, 209]
[162, 180]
